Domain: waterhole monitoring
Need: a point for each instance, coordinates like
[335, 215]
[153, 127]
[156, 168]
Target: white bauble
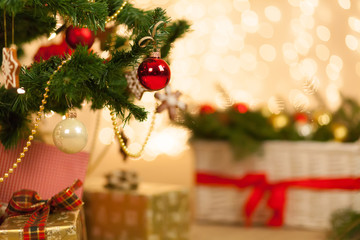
[70, 135]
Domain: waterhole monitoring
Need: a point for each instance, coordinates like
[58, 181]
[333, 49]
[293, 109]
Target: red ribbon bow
[29, 202]
[277, 191]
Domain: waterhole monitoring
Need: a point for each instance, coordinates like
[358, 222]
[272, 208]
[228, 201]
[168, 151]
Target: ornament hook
[146, 40]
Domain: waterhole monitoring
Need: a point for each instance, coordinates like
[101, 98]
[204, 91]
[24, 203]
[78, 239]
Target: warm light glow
[307, 7]
[250, 21]
[323, 33]
[340, 132]
[332, 71]
[296, 72]
[345, 4]
[294, 3]
[354, 24]
[241, 96]
[289, 53]
[267, 52]
[21, 90]
[266, 30]
[248, 61]
[336, 60]
[231, 64]
[333, 97]
[195, 11]
[303, 43]
[280, 121]
[241, 5]
[211, 62]
[299, 100]
[106, 136]
[105, 112]
[322, 52]
[273, 13]
[324, 119]
[351, 42]
[308, 67]
[304, 129]
[171, 141]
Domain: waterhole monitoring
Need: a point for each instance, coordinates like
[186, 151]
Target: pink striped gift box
[44, 169]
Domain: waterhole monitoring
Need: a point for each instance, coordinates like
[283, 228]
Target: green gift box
[152, 212]
[62, 225]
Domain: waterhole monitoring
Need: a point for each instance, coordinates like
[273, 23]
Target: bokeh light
[351, 42]
[273, 13]
[322, 52]
[354, 24]
[267, 52]
[345, 4]
[323, 33]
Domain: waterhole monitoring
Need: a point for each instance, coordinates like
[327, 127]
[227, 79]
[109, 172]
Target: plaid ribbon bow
[29, 202]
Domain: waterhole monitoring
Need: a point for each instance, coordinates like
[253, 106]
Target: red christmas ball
[301, 117]
[206, 109]
[79, 36]
[154, 73]
[241, 107]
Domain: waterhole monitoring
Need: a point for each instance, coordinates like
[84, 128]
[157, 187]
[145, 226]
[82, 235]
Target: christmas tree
[62, 83]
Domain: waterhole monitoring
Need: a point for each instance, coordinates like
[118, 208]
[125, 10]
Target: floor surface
[224, 232]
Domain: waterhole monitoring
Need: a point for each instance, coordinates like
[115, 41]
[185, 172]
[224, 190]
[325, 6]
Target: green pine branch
[86, 76]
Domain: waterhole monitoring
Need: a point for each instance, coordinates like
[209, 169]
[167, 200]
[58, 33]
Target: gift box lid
[96, 184]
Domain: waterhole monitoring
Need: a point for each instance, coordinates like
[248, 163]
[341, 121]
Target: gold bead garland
[36, 124]
[109, 19]
[112, 113]
[121, 140]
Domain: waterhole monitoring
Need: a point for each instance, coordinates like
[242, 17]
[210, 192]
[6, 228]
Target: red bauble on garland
[241, 107]
[206, 109]
[301, 117]
[154, 73]
[79, 36]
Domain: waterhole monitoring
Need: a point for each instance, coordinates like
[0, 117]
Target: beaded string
[109, 19]
[121, 140]
[36, 124]
[113, 114]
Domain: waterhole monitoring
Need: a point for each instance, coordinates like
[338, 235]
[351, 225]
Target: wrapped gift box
[217, 202]
[44, 168]
[62, 225]
[153, 212]
[309, 207]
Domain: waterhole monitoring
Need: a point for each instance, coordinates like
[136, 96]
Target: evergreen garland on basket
[345, 225]
[246, 129]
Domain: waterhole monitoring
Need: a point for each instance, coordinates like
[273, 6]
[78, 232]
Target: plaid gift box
[44, 168]
[64, 225]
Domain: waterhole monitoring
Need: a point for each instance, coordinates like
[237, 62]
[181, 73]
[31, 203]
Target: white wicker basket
[303, 160]
[223, 204]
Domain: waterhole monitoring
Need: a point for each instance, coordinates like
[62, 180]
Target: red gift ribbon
[29, 202]
[277, 191]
